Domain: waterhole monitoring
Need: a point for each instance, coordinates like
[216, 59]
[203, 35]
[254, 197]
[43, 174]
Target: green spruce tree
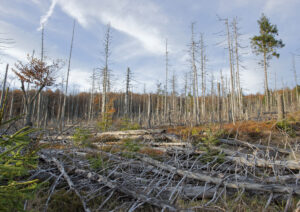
[265, 44]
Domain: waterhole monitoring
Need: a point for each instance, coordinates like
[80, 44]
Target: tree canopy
[266, 42]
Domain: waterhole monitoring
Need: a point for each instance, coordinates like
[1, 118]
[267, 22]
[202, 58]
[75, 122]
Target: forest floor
[247, 166]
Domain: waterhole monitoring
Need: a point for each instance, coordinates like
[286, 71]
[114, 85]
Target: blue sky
[139, 31]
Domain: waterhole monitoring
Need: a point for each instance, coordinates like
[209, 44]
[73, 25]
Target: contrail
[45, 17]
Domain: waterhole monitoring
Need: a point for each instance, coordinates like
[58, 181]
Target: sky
[139, 32]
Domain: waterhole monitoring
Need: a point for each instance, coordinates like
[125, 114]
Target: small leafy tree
[266, 44]
[35, 72]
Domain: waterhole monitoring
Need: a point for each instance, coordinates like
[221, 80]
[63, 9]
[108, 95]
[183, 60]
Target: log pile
[183, 173]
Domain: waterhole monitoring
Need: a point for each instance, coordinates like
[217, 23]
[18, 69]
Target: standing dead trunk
[195, 81]
[232, 94]
[267, 93]
[237, 61]
[4, 86]
[62, 121]
[280, 107]
[296, 82]
[40, 94]
[126, 102]
[11, 109]
[105, 75]
[166, 85]
[91, 111]
[202, 49]
[219, 104]
[149, 110]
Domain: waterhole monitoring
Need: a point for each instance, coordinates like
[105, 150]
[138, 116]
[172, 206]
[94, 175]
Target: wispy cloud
[44, 18]
[141, 20]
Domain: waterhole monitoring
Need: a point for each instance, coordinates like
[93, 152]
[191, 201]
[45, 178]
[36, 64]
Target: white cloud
[279, 5]
[44, 18]
[141, 20]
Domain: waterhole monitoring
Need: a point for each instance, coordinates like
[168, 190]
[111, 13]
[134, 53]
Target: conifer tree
[266, 44]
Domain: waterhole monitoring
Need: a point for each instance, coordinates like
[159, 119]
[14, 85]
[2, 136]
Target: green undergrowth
[240, 201]
[131, 145]
[287, 127]
[18, 155]
[126, 124]
[81, 136]
[97, 161]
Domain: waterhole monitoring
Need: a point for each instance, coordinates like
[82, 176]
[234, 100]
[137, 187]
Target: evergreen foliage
[17, 157]
[266, 43]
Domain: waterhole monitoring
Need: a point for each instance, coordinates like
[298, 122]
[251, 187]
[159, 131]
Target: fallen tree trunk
[131, 132]
[135, 194]
[251, 160]
[283, 178]
[219, 181]
[68, 179]
[236, 142]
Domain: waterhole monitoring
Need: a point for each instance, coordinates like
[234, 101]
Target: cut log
[131, 132]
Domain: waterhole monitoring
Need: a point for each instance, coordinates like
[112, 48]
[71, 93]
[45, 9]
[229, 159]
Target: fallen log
[135, 194]
[219, 181]
[236, 142]
[251, 160]
[68, 179]
[283, 178]
[131, 132]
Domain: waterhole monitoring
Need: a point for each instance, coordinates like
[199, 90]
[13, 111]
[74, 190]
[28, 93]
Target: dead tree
[232, 95]
[12, 101]
[219, 104]
[105, 75]
[40, 94]
[296, 80]
[193, 47]
[149, 110]
[126, 101]
[280, 106]
[166, 84]
[203, 78]
[91, 112]
[62, 121]
[237, 63]
[4, 86]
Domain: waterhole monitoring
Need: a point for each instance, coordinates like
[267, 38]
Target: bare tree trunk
[232, 95]
[126, 102]
[296, 82]
[166, 84]
[91, 112]
[46, 102]
[4, 87]
[267, 93]
[105, 82]
[219, 105]
[40, 94]
[202, 49]
[62, 121]
[280, 106]
[238, 82]
[194, 68]
[11, 109]
[149, 110]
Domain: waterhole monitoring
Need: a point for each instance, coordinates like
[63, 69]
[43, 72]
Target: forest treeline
[146, 109]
